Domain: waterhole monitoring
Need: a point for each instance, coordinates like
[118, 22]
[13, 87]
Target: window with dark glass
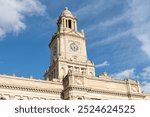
[69, 23]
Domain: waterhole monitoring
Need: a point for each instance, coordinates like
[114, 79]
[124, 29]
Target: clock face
[74, 47]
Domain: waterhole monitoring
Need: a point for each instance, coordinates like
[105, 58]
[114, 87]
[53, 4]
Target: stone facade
[71, 75]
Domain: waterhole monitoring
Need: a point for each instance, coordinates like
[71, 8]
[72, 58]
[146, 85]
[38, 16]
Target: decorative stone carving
[134, 89]
[78, 81]
[104, 75]
[65, 81]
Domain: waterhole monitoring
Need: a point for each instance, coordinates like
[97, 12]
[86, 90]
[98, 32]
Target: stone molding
[14, 87]
[98, 91]
[113, 80]
[29, 79]
[77, 62]
[77, 34]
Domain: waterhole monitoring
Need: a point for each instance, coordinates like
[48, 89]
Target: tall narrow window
[66, 23]
[69, 23]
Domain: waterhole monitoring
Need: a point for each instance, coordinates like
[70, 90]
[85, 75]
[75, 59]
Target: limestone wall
[12, 87]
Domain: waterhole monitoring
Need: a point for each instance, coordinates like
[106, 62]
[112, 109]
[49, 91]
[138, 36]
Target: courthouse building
[71, 75]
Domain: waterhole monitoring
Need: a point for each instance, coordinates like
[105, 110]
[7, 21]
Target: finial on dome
[66, 8]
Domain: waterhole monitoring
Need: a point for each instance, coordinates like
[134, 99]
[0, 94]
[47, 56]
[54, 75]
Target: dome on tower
[66, 12]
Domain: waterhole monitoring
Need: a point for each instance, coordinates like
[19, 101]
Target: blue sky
[117, 33]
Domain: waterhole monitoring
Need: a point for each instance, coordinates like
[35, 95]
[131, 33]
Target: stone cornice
[99, 91]
[55, 35]
[107, 80]
[72, 34]
[52, 91]
[77, 63]
[74, 17]
[112, 80]
[28, 79]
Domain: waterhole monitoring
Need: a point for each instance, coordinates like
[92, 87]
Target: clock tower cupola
[68, 49]
[67, 21]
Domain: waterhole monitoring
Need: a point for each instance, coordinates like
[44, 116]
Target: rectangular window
[69, 21]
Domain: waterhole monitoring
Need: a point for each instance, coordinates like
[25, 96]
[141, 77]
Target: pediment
[72, 32]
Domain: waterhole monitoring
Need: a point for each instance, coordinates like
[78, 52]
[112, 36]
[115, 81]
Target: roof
[66, 12]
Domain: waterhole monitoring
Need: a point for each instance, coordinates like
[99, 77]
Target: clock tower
[68, 50]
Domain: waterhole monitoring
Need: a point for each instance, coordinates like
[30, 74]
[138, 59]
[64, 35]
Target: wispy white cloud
[140, 18]
[13, 12]
[126, 74]
[138, 15]
[146, 87]
[108, 23]
[111, 39]
[104, 64]
[115, 20]
[2, 33]
[143, 76]
[120, 18]
[93, 8]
